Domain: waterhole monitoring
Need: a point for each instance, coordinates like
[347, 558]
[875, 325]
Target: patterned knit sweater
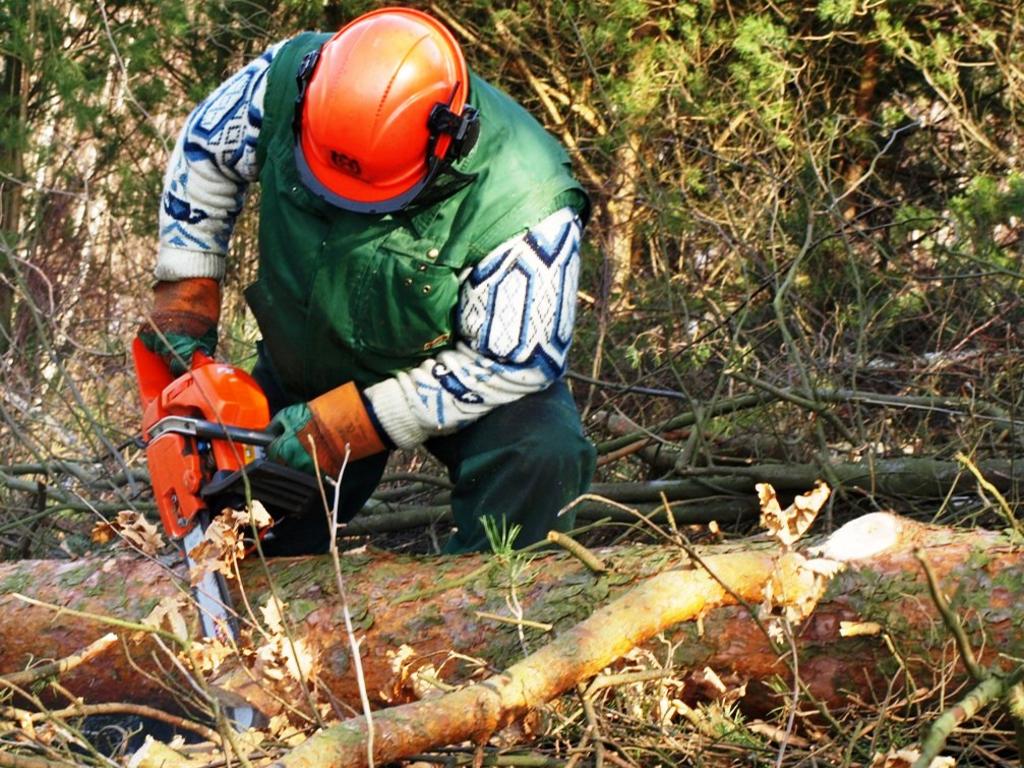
[516, 306]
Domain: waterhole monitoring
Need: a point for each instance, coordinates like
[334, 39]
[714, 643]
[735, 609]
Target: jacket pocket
[408, 307]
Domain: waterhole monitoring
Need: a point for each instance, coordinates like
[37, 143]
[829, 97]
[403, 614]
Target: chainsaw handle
[153, 373]
[200, 358]
[210, 430]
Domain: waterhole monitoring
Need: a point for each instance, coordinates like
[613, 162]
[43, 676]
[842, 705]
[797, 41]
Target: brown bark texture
[437, 606]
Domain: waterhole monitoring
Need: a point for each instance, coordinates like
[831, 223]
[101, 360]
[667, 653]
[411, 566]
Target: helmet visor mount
[451, 137]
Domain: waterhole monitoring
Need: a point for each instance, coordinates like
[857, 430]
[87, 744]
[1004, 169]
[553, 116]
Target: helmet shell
[364, 140]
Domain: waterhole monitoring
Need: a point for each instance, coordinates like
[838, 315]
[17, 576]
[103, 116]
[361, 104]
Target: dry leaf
[220, 548]
[401, 669]
[210, 654]
[789, 524]
[282, 729]
[133, 529]
[259, 516]
[272, 612]
[102, 533]
[905, 758]
[224, 541]
[169, 610]
[281, 658]
[426, 683]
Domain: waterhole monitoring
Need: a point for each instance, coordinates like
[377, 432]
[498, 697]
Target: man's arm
[212, 164]
[208, 174]
[516, 312]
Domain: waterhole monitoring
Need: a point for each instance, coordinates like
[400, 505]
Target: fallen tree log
[728, 494]
[441, 605]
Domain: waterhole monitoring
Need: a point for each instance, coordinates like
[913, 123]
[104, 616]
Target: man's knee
[562, 460]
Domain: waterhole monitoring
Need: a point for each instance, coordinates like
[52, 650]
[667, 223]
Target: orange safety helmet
[381, 110]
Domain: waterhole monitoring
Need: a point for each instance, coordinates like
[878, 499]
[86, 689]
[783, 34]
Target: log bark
[438, 605]
[477, 711]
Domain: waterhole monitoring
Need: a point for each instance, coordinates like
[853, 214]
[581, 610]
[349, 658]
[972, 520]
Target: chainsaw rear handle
[153, 373]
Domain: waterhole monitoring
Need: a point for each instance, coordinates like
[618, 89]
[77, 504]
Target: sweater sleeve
[209, 171]
[515, 322]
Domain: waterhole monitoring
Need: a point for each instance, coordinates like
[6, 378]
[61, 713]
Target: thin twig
[519, 622]
[577, 550]
[110, 708]
[353, 641]
[59, 667]
[1011, 518]
[952, 621]
[977, 698]
[593, 727]
[627, 678]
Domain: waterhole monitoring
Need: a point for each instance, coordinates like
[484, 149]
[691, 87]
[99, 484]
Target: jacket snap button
[422, 267]
[407, 281]
[427, 289]
[433, 253]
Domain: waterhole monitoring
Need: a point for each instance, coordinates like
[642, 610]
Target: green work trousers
[521, 464]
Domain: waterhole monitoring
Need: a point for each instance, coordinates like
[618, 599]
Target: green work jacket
[343, 296]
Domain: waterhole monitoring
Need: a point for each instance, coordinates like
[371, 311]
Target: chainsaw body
[182, 458]
[204, 433]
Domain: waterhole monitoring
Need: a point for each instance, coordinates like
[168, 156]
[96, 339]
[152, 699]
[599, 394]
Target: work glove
[336, 419]
[183, 320]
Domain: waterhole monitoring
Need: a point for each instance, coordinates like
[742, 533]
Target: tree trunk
[10, 185]
[439, 605]
[15, 84]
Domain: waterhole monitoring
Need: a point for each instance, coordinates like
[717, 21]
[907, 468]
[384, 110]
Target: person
[419, 238]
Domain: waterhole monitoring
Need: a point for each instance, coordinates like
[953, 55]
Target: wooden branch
[688, 419]
[977, 698]
[475, 712]
[768, 393]
[701, 509]
[577, 550]
[57, 668]
[11, 760]
[902, 477]
[557, 121]
[117, 708]
[952, 621]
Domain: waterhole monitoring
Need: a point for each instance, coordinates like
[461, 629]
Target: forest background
[805, 254]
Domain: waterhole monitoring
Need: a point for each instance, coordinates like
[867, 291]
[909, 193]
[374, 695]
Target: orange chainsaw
[204, 433]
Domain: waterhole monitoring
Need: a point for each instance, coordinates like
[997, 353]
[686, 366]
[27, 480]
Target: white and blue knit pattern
[213, 162]
[516, 313]
[515, 304]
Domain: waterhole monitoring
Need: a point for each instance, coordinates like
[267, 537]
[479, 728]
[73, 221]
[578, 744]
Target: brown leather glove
[333, 421]
[183, 320]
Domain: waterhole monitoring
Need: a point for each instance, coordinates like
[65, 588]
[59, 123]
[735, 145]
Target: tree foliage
[806, 243]
[805, 200]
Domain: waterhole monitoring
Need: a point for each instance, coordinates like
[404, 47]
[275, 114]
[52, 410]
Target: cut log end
[861, 539]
